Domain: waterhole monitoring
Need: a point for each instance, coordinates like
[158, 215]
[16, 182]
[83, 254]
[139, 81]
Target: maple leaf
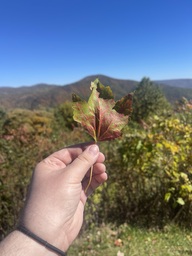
[101, 116]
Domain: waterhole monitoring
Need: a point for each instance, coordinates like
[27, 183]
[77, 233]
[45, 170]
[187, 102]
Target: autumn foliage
[101, 116]
[149, 166]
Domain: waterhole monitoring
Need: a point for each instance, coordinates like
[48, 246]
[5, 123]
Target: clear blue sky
[62, 41]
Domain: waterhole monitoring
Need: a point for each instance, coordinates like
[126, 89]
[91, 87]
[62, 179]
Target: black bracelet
[40, 240]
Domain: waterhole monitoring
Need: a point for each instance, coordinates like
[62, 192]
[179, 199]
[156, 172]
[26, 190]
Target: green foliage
[150, 179]
[64, 116]
[26, 137]
[27, 122]
[183, 108]
[2, 118]
[147, 100]
[19, 153]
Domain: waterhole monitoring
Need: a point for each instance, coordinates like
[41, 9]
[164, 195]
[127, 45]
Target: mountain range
[48, 95]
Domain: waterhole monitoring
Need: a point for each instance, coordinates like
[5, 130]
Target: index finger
[61, 158]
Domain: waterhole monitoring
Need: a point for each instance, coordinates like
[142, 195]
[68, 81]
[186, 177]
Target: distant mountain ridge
[47, 96]
[181, 83]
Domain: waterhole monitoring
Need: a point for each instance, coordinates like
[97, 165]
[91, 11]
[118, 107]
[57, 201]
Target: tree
[183, 108]
[148, 99]
[64, 115]
[3, 115]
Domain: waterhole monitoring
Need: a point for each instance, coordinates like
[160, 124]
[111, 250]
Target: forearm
[18, 244]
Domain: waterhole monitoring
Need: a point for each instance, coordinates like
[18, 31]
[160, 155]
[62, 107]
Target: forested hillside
[181, 83]
[48, 96]
[44, 95]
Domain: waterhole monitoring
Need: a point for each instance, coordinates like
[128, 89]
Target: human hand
[56, 200]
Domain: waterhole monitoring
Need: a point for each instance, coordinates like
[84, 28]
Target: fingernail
[94, 149]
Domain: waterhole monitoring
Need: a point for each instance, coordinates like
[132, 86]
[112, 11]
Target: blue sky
[60, 41]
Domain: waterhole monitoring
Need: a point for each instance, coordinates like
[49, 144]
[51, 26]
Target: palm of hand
[59, 181]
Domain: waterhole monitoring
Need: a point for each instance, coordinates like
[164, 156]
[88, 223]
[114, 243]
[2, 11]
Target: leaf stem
[91, 174]
[90, 178]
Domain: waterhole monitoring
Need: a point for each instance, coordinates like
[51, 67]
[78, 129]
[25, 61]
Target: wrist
[17, 243]
[45, 230]
[41, 241]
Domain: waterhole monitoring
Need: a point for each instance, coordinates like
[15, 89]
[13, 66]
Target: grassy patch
[126, 240]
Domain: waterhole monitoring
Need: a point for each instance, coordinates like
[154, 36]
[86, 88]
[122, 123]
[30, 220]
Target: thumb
[80, 166]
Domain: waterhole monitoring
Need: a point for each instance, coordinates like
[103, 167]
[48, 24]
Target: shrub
[150, 178]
